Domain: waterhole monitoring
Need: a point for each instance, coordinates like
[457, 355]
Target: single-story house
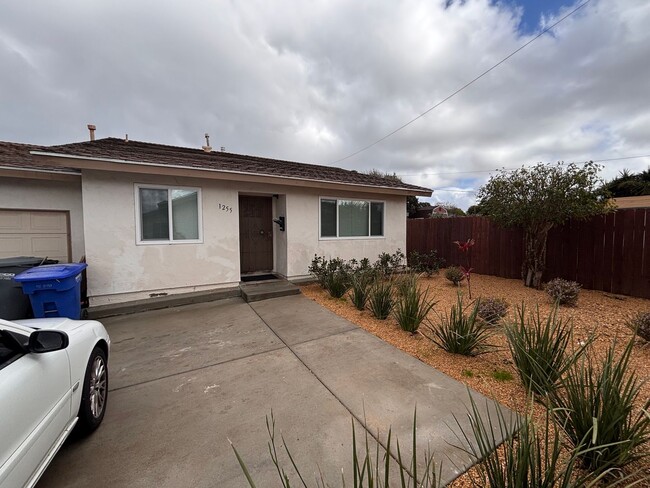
[152, 219]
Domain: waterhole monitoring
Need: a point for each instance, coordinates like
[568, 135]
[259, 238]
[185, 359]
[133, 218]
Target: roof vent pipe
[92, 129]
[207, 147]
[126, 138]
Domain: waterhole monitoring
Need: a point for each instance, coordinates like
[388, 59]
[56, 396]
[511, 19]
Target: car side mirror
[43, 340]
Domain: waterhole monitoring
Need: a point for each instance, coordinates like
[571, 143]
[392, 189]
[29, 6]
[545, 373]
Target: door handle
[261, 232]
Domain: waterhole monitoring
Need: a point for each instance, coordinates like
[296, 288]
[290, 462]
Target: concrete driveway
[185, 380]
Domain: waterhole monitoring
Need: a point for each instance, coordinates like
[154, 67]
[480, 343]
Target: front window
[169, 214]
[351, 218]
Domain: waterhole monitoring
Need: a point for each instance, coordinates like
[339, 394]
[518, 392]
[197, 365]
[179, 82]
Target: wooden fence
[607, 253]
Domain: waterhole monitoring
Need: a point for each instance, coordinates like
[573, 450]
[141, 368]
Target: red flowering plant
[465, 248]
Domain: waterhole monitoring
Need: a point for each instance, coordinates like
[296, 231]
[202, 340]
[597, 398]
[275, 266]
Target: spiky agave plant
[460, 331]
[542, 349]
[601, 404]
[370, 470]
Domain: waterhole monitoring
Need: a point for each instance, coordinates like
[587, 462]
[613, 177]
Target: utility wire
[514, 169]
[403, 126]
[454, 191]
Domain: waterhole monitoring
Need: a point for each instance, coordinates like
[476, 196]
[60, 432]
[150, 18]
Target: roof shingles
[143, 152]
[16, 155]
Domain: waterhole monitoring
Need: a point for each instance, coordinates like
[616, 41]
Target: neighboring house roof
[642, 201]
[18, 157]
[114, 150]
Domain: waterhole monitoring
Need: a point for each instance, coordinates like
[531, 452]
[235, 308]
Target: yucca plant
[601, 404]
[371, 470]
[539, 348]
[381, 301]
[361, 282]
[404, 283]
[412, 306]
[529, 456]
[337, 283]
[460, 332]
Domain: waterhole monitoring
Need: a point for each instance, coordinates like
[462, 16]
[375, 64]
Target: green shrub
[428, 263]
[361, 282]
[563, 292]
[640, 325]
[454, 274]
[597, 406]
[412, 305]
[492, 310]
[323, 269]
[388, 264]
[368, 470]
[460, 332]
[381, 301]
[533, 458]
[539, 348]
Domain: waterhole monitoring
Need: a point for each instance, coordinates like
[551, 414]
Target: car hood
[58, 323]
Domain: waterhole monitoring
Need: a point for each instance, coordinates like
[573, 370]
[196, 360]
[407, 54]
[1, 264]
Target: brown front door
[255, 233]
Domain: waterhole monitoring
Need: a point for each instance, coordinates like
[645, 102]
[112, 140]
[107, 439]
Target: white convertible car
[53, 377]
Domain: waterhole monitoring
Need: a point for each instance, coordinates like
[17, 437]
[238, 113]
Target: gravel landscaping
[493, 373]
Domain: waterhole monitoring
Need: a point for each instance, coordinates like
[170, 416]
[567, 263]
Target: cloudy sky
[316, 80]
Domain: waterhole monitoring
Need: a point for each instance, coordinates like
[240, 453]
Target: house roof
[116, 150]
[18, 156]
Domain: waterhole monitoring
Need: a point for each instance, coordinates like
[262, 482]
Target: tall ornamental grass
[413, 304]
[460, 331]
[599, 404]
[542, 349]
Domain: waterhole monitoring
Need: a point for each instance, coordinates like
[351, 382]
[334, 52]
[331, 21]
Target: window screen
[353, 218]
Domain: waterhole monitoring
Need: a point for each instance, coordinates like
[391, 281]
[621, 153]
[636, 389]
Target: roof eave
[32, 173]
[126, 166]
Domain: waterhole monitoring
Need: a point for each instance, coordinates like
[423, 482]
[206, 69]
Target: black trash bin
[14, 304]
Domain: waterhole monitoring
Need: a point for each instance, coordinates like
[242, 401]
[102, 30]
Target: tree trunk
[534, 255]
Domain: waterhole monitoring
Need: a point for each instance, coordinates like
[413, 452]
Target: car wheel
[95, 392]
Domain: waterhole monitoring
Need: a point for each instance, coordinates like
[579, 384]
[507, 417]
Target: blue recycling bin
[54, 290]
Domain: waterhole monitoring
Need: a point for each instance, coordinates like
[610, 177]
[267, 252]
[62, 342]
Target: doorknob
[262, 232]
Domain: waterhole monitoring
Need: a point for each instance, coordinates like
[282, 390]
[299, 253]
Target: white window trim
[344, 238]
[170, 241]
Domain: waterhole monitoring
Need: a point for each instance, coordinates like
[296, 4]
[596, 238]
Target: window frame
[338, 237]
[171, 241]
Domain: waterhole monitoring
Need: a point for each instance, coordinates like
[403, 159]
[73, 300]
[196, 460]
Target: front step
[254, 292]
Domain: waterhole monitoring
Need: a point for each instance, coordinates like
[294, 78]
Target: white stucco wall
[121, 270]
[33, 194]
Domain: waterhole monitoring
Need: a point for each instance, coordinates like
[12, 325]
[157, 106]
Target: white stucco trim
[379, 188]
[39, 170]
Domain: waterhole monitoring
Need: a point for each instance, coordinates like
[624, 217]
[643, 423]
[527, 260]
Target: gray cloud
[315, 81]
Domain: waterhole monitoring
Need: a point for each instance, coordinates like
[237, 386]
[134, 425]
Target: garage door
[34, 233]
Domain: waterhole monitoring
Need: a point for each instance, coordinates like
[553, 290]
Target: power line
[454, 191]
[514, 169]
[466, 85]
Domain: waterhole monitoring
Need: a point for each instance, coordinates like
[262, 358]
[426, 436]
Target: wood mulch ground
[596, 313]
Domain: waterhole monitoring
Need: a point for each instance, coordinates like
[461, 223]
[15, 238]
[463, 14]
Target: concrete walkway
[187, 379]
